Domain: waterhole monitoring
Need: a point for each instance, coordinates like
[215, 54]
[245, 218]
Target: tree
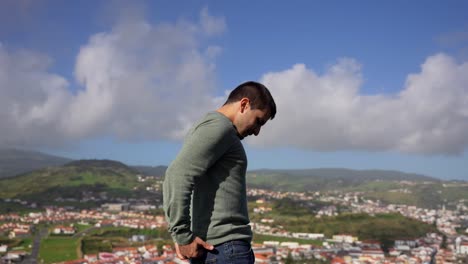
[444, 242]
[289, 259]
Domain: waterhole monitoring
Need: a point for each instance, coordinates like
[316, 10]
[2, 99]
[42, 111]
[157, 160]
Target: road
[35, 247]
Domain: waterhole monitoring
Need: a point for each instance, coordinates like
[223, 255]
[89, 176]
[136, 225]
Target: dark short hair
[259, 96]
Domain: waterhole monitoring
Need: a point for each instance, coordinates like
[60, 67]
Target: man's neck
[229, 110]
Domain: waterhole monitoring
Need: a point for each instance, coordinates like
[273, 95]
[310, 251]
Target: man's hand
[192, 250]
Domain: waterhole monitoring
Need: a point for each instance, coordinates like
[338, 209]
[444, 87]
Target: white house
[3, 248]
[64, 230]
[464, 248]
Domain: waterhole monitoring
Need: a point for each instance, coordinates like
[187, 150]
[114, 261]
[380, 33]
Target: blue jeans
[231, 252]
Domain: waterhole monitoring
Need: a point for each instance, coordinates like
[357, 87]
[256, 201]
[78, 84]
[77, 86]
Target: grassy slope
[382, 227]
[57, 249]
[15, 161]
[69, 181]
[427, 194]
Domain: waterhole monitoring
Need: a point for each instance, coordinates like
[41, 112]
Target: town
[447, 245]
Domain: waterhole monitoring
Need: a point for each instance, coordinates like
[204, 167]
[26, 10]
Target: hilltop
[151, 171]
[387, 186]
[326, 178]
[16, 161]
[75, 180]
[113, 179]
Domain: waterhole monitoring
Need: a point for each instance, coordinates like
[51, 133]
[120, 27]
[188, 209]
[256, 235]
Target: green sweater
[204, 188]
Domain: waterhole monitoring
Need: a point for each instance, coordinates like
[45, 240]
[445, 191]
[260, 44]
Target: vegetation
[13, 207]
[75, 180]
[112, 179]
[57, 249]
[94, 245]
[297, 217]
[151, 171]
[387, 186]
[104, 239]
[260, 238]
[326, 179]
[11, 243]
[129, 232]
[80, 227]
[429, 195]
[25, 244]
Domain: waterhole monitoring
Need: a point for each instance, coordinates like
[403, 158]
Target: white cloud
[327, 113]
[139, 81]
[144, 81]
[212, 25]
[31, 99]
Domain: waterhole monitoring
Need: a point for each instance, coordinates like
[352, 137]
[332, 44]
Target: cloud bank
[327, 112]
[150, 82]
[139, 81]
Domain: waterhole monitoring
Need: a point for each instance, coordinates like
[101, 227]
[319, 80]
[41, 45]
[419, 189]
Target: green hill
[77, 179]
[16, 161]
[151, 171]
[107, 179]
[387, 186]
[326, 179]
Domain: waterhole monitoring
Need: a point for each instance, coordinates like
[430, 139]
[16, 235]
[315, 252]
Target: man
[205, 187]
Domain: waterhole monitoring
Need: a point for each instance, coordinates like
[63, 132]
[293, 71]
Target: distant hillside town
[447, 244]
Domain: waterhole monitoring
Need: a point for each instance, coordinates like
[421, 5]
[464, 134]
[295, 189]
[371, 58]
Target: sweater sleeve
[203, 146]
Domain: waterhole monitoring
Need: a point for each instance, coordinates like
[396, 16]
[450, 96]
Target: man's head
[253, 105]
[258, 95]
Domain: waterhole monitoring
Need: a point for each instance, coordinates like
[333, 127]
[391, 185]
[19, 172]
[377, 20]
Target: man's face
[251, 121]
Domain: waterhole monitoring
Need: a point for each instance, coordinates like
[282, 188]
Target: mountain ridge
[340, 172]
[18, 161]
[93, 178]
[74, 179]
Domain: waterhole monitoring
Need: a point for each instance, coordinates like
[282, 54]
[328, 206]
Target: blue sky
[359, 84]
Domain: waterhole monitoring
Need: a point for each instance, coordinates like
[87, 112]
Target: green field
[104, 239]
[57, 249]
[296, 217]
[11, 243]
[25, 244]
[72, 181]
[12, 207]
[80, 228]
[259, 238]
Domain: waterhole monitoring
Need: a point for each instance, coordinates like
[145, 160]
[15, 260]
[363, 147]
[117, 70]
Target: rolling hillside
[326, 179]
[387, 186]
[113, 179]
[151, 171]
[76, 179]
[15, 161]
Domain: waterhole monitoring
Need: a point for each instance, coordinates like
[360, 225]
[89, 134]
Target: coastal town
[448, 245]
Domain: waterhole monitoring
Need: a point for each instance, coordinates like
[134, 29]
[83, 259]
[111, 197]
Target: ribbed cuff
[183, 239]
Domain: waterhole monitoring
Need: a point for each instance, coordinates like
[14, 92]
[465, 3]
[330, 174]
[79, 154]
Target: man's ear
[243, 104]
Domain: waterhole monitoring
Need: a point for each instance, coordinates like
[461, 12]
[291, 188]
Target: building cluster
[64, 230]
[420, 250]
[130, 219]
[348, 249]
[447, 221]
[156, 182]
[341, 248]
[14, 229]
[20, 226]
